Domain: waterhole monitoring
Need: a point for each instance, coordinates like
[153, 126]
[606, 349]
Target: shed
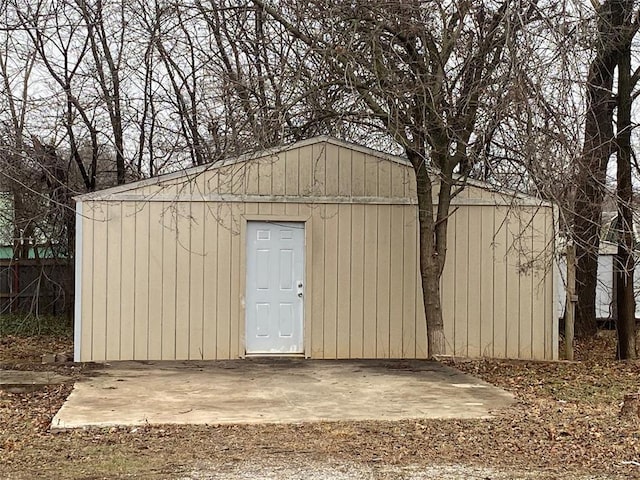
[311, 250]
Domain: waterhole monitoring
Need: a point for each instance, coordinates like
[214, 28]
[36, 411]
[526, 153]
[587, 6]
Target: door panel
[275, 271]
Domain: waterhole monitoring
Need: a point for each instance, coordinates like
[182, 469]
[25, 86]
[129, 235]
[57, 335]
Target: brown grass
[565, 423]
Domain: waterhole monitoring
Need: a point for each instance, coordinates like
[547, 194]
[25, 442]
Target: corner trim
[77, 311]
[555, 278]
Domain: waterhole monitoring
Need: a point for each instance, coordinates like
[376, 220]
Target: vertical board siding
[128, 280]
[317, 277]
[305, 171]
[344, 280]
[236, 349]
[292, 173]
[318, 170]
[89, 281]
[360, 307]
[345, 180]
[278, 176]
[156, 240]
[164, 280]
[370, 280]
[251, 178]
[384, 177]
[196, 283]
[371, 176]
[513, 287]
[396, 276]
[223, 303]
[493, 284]
[184, 227]
[500, 282]
[265, 176]
[487, 262]
[331, 260]
[397, 179]
[356, 302]
[383, 281]
[169, 285]
[410, 282]
[357, 174]
[141, 245]
[332, 170]
[100, 285]
[210, 282]
[461, 266]
[541, 270]
[473, 282]
[447, 287]
[525, 268]
[113, 334]
[550, 326]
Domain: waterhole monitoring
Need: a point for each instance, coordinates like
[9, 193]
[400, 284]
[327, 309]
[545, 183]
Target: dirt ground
[566, 424]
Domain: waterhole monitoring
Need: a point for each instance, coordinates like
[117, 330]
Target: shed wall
[175, 291]
[162, 266]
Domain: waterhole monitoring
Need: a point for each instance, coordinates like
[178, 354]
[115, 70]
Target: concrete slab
[19, 381]
[275, 391]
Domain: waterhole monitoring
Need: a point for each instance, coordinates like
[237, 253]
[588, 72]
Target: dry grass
[565, 423]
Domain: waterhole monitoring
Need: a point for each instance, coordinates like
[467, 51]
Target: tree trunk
[624, 261]
[586, 279]
[592, 167]
[431, 263]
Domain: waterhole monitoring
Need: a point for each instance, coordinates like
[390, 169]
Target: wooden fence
[36, 285]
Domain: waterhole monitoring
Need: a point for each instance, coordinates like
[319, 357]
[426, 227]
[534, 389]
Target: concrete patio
[275, 390]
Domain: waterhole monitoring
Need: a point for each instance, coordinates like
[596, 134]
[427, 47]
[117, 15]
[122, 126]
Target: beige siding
[370, 281]
[343, 317]
[474, 284]
[357, 289]
[128, 282]
[320, 169]
[142, 296]
[196, 292]
[396, 266]
[87, 283]
[155, 284]
[210, 275]
[100, 292]
[383, 285]
[163, 275]
[495, 282]
[332, 256]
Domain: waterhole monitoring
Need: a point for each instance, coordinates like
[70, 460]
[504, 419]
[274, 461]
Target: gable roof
[269, 152]
[274, 151]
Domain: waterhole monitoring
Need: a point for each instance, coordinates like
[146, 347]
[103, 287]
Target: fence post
[571, 301]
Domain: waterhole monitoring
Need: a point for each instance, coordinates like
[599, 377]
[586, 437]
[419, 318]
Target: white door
[275, 290]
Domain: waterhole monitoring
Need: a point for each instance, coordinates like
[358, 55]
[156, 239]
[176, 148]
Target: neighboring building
[605, 296]
[310, 250]
[6, 218]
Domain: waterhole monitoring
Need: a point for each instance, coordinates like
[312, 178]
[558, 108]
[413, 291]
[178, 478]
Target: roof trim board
[233, 198]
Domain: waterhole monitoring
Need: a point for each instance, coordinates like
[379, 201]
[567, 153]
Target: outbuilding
[311, 250]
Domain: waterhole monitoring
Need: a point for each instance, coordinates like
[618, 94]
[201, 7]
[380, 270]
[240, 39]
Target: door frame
[306, 311]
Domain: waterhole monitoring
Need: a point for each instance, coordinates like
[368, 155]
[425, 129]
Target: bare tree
[16, 64]
[592, 166]
[624, 261]
[425, 74]
[108, 64]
